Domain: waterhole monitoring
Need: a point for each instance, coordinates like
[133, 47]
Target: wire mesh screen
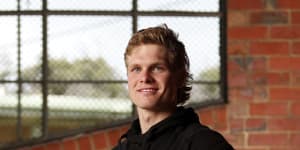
[87, 47]
[61, 62]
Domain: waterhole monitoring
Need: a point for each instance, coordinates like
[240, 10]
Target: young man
[158, 82]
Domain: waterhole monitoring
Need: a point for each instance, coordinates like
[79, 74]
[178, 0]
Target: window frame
[134, 13]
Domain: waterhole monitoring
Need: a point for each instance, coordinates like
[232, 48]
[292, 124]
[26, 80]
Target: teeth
[148, 90]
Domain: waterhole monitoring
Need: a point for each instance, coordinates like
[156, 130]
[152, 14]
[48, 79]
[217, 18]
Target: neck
[149, 118]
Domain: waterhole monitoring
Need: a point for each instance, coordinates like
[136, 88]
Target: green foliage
[80, 69]
[60, 69]
[211, 74]
[3, 74]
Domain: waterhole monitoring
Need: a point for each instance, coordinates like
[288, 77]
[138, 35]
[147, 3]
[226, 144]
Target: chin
[145, 104]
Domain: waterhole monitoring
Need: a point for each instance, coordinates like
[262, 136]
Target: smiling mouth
[148, 90]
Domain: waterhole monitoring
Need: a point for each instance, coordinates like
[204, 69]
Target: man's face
[150, 82]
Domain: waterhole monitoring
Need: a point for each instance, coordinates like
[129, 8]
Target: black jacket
[180, 131]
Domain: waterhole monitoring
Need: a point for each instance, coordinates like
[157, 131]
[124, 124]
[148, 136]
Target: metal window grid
[134, 13]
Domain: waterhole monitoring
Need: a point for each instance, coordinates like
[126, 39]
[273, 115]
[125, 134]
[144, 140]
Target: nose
[146, 77]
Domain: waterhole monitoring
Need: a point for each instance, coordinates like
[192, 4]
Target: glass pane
[88, 48]
[31, 111]
[89, 4]
[8, 48]
[200, 36]
[8, 5]
[79, 108]
[31, 4]
[202, 93]
[179, 5]
[108, 90]
[31, 47]
[8, 113]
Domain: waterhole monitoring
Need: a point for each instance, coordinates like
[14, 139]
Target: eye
[135, 69]
[158, 69]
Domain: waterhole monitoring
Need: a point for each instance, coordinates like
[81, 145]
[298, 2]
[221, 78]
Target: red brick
[99, 140]
[279, 63]
[114, 136]
[237, 80]
[296, 48]
[295, 109]
[232, 66]
[285, 32]
[237, 18]
[285, 93]
[253, 64]
[295, 139]
[295, 78]
[284, 124]
[221, 118]
[260, 78]
[236, 139]
[272, 78]
[261, 93]
[239, 109]
[284, 63]
[259, 64]
[245, 4]
[269, 48]
[245, 94]
[296, 17]
[69, 144]
[232, 94]
[53, 146]
[124, 129]
[253, 32]
[269, 109]
[278, 78]
[269, 17]
[38, 147]
[288, 147]
[84, 143]
[237, 48]
[243, 63]
[292, 4]
[206, 117]
[236, 125]
[254, 124]
[270, 139]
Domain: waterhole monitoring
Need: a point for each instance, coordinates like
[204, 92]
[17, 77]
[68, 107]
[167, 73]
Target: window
[61, 62]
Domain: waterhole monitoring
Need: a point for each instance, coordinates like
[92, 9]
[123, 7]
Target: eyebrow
[151, 65]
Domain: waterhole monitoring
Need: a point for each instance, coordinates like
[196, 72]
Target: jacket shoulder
[200, 136]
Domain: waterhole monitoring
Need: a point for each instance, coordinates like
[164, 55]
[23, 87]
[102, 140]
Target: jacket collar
[181, 117]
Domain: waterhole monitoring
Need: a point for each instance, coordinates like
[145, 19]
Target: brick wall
[264, 74]
[264, 83]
